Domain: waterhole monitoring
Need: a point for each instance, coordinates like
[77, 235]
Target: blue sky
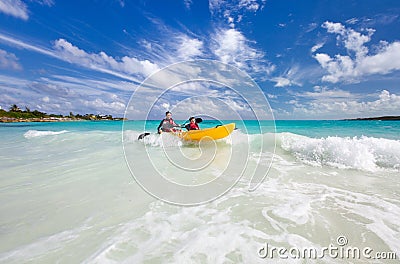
[312, 59]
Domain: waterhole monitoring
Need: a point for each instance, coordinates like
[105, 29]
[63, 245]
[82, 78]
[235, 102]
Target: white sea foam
[363, 153]
[296, 206]
[153, 139]
[40, 133]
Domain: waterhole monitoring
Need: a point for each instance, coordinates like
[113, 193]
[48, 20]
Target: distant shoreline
[16, 115]
[51, 119]
[379, 118]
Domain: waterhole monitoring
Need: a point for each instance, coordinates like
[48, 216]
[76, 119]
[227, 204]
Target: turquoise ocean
[67, 194]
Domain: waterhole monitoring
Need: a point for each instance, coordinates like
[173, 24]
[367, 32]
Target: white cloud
[215, 5]
[311, 27]
[101, 106]
[25, 45]
[101, 60]
[281, 82]
[317, 47]
[128, 68]
[44, 2]
[66, 93]
[166, 106]
[189, 48]
[327, 94]
[188, 3]
[18, 8]
[352, 21]
[9, 61]
[250, 5]
[234, 6]
[341, 104]
[234, 10]
[358, 62]
[232, 47]
[15, 8]
[219, 108]
[290, 77]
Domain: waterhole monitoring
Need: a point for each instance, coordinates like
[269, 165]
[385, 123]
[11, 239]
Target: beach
[68, 195]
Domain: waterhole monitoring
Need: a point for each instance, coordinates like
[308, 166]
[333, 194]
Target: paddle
[198, 120]
[141, 136]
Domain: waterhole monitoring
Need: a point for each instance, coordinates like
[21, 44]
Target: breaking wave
[363, 153]
[39, 133]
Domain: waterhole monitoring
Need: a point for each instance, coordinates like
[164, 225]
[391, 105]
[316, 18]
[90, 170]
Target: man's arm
[159, 126]
[175, 124]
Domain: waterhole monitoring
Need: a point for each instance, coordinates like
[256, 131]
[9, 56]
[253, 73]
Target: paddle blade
[141, 136]
[199, 120]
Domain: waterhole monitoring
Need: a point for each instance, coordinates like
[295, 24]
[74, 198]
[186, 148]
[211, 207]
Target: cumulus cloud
[248, 5]
[18, 9]
[189, 48]
[214, 107]
[9, 61]
[129, 68]
[234, 10]
[232, 47]
[358, 62]
[166, 106]
[339, 104]
[102, 61]
[100, 106]
[62, 94]
[52, 89]
[15, 8]
[323, 93]
[251, 5]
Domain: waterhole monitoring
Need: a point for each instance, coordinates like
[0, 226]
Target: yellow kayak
[208, 133]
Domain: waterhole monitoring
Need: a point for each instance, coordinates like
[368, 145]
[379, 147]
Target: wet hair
[168, 112]
[190, 118]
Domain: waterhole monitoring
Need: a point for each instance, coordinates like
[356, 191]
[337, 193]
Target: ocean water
[68, 196]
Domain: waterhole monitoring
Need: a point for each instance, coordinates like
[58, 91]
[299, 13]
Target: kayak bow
[207, 133]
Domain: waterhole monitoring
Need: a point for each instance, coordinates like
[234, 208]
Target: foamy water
[36, 133]
[68, 196]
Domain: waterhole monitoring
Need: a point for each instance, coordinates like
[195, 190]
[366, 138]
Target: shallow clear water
[67, 194]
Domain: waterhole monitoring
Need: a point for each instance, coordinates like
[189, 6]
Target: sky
[311, 59]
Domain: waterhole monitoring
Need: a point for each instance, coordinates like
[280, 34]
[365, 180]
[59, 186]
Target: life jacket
[167, 125]
[193, 126]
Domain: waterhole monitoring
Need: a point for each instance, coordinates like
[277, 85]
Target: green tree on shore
[15, 108]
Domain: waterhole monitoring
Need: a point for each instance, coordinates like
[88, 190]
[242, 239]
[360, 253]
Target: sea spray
[39, 133]
[363, 153]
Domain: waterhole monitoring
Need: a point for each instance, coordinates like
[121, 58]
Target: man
[167, 124]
